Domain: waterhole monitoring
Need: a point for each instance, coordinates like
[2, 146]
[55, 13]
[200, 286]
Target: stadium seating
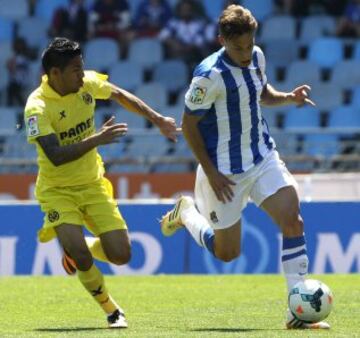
[356, 97]
[14, 9]
[213, 8]
[45, 9]
[278, 28]
[126, 74]
[6, 52]
[34, 31]
[96, 59]
[153, 93]
[281, 52]
[345, 117]
[319, 51]
[133, 120]
[8, 120]
[326, 96]
[346, 74]
[146, 52]
[303, 72]
[173, 74]
[148, 145]
[6, 29]
[356, 55]
[261, 9]
[303, 117]
[174, 111]
[321, 145]
[316, 26]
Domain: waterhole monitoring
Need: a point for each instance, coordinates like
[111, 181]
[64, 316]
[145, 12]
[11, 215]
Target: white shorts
[258, 183]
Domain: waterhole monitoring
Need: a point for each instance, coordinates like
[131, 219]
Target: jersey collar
[230, 62]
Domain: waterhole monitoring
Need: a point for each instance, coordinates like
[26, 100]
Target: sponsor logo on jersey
[87, 98]
[197, 95]
[53, 216]
[32, 126]
[78, 129]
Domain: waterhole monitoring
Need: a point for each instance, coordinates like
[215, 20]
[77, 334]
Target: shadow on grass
[72, 329]
[225, 330]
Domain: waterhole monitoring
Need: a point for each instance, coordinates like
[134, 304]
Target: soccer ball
[310, 301]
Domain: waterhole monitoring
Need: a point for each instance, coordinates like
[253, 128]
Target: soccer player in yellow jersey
[70, 187]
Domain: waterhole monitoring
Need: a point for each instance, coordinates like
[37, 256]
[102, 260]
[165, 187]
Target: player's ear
[54, 72]
[221, 40]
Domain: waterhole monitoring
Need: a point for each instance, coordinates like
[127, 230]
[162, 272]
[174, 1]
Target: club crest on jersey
[87, 98]
[197, 95]
[32, 126]
[53, 216]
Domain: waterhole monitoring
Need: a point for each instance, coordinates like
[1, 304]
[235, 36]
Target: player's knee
[228, 255]
[120, 256]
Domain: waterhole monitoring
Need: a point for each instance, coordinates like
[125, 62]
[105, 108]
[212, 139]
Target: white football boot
[117, 320]
[171, 221]
[293, 323]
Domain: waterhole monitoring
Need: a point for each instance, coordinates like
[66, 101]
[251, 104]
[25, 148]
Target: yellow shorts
[91, 205]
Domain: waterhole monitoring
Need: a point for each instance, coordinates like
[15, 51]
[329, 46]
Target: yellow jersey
[71, 118]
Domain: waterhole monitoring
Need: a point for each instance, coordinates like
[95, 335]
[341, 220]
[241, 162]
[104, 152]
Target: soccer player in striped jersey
[71, 188]
[228, 135]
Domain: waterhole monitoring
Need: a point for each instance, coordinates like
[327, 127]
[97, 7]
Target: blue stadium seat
[101, 54]
[35, 74]
[346, 74]
[270, 71]
[327, 96]
[356, 55]
[6, 29]
[272, 115]
[303, 117]
[182, 149]
[321, 144]
[133, 120]
[45, 9]
[303, 72]
[278, 28]
[180, 100]
[14, 9]
[134, 4]
[261, 9]
[33, 30]
[174, 111]
[146, 52]
[345, 117]
[173, 74]
[16, 146]
[356, 97]
[6, 51]
[153, 93]
[4, 79]
[126, 74]
[148, 145]
[213, 8]
[8, 120]
[316, 26]
[170, 167]
[112, 151]
[286, 143]
[281, 52]
[319, 51]
[129, 168]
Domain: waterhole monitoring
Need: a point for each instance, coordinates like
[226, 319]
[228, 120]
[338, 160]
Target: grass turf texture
[168, 306]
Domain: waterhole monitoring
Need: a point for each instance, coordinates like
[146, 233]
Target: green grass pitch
[169, 306]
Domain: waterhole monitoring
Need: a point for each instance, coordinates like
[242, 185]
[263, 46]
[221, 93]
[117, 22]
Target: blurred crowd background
[150, 48]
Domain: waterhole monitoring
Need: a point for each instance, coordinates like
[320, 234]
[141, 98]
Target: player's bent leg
[116, 246]
[71, 238]
[227, 242]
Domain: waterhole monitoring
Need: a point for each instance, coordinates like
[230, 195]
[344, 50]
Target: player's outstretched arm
[130, 102]
[299, 96]
[58, 155]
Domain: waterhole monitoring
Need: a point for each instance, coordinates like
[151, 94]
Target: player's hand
[111, 132]
[167, 126]
[221, 185]
[300, 96]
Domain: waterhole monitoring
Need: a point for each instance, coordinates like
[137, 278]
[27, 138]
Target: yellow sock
[93, 281]
[94, 245]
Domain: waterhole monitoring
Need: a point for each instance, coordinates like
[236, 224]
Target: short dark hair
[236, 20]
[59, 53]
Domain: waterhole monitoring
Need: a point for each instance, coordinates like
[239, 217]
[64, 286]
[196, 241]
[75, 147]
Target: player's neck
[57, 87]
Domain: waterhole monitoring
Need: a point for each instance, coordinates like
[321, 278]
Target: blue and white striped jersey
[227, 97]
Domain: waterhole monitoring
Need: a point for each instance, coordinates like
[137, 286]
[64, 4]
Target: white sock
[198, 227]
[295, 260]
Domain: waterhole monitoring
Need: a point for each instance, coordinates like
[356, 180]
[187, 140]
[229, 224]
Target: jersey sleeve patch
[197, 94]
[32, 126]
